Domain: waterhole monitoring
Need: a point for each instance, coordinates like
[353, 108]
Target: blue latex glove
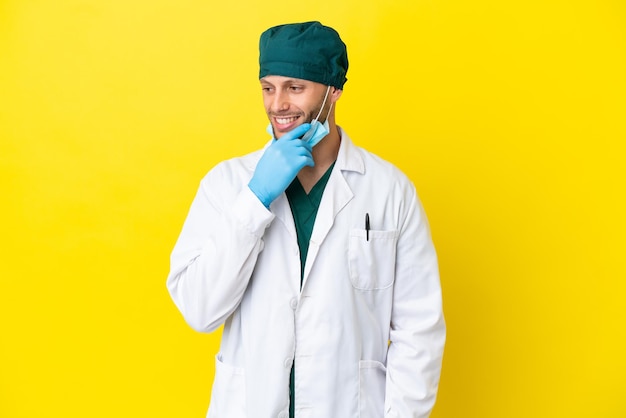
[280, 164]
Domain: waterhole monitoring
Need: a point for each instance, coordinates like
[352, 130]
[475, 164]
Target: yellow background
[508, 115]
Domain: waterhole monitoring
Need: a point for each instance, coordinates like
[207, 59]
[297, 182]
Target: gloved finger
[295, 145]
[298, 143]
[303, 160]
[296, 132]
[307, 145]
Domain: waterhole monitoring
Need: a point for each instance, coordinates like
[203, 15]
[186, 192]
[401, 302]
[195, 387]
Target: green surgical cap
[310, 51]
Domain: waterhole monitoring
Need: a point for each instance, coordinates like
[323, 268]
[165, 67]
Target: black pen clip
[367, 226]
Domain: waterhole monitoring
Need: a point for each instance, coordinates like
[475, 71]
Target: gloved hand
[280, 164]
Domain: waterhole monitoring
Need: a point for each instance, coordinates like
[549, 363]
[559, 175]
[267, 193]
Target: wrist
[263, 197]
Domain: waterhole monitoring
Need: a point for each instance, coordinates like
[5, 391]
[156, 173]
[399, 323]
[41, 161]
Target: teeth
[284, 121]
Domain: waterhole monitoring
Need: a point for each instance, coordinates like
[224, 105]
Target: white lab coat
[366, 330]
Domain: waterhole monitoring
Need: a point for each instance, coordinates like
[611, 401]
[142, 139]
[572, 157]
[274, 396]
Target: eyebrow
[285, 81]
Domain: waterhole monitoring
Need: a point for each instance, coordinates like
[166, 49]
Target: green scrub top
[304, 210]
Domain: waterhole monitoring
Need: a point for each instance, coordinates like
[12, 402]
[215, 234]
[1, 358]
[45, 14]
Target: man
[315, 255]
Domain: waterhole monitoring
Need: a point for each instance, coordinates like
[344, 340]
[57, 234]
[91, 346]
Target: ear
[335, 94]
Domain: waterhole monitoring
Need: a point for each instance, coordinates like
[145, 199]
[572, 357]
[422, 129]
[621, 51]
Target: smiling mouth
[285, 120]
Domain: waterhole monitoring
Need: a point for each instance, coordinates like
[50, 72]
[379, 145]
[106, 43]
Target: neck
[324, 154]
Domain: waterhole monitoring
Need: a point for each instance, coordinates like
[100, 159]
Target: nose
[280, 101]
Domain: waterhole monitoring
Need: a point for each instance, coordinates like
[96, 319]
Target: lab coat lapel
[336, 196]
[280, 207]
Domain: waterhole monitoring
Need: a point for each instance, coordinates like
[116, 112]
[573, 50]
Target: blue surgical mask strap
[317, 118]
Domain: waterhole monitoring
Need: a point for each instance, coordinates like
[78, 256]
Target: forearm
[417, 324]
[214, 258]
[414, 367]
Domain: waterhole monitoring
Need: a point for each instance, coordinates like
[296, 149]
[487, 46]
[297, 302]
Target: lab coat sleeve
[418, 331]
[216, 252]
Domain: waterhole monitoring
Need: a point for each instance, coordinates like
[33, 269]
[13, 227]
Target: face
[290, 102]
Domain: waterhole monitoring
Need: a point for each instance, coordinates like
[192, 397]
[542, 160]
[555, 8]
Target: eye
[296, 89]
[267, 89]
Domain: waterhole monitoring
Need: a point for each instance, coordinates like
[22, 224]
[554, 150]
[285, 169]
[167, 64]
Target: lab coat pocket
[228, 397]
[372, 259]
[372, 378]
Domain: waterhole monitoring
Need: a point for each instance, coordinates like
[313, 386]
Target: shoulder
[235, 169]
[379, 166]
[372, 167]
[225, 181]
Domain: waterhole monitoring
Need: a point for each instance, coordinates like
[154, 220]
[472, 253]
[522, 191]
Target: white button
[288, 362]
[293, 303]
